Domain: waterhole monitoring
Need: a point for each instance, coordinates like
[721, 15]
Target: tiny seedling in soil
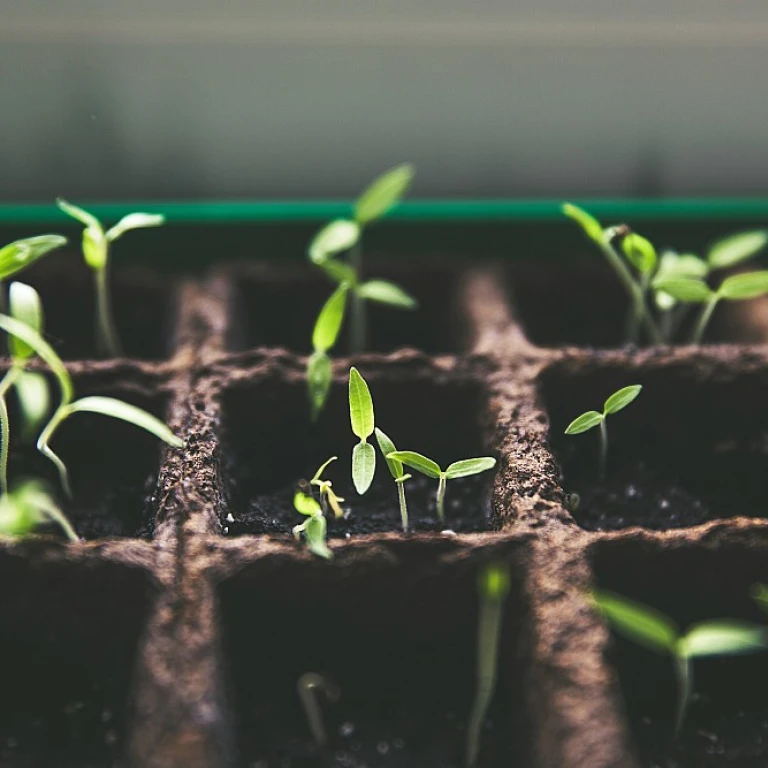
[361, 417]
[387, 447]
[309, 686]
[28, 507]
[492, 588]
[314, 528]
[96, 247]
[658, 633]
[463, 468]
[615, 403]
[325, 487]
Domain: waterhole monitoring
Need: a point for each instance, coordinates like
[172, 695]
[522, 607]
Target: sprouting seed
[387, 447]
[96, 245]
[659, 633]
[308, 687]
[314, 528]
[328, 496]
[361, 417]
[463, 468]
[615, 403]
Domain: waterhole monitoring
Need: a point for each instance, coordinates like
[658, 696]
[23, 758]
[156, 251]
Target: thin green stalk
[704, 318]
[441, 498]
[635, 314]
[403, 507]
[358, 330]
[108, 340]
[684, 674]
[603, 449]
[5, 431]
[60, 414]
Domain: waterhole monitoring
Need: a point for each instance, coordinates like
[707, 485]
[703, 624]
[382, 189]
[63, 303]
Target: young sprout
[96, 245]
[463, 468]
[327, 495]
[659, 633]
[361, 417]
[29, 506]
[68, 406]
[314, 527]
[492, 589]
[308, 686]
[387, 447]
[616, 402]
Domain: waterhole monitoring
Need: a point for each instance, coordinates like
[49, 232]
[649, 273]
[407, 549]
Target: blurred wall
[272, 98]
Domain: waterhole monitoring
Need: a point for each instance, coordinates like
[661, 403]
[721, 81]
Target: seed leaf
[363, 466]
[467, 467]
[584, 422]
[21, 253]
[319, 474]
[386, 446]
[134, 221]
[418, 462]
[315, 532]
[621, 399]
[384, 292]
[330, 319]
[684, 289]
[34, 401]
[360, 405]
[85, 218]
[494, 581]
[747, 286]
[117, 409]
[674, 264]
[95, 247]
[306, 505]
[340, 235]
[724, 638]
[589, 224]
[640, 253]
[24, 305]
[640, 623]
[318, 381]
[737, 248]
[383, 193]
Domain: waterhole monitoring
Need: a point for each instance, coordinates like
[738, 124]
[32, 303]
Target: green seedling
[492, 588]
[96, 250]
[68, 406]
[361, 417]
[314, 528]
[658, 633]
[308, 687]
[463, 468]
[21, 254]
[328, 497]
[615, 403]
[29, 506]
[387, 447]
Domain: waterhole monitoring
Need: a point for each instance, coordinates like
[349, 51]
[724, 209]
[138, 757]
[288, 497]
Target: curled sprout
[328, 497]
[314, 528]
[29, 506]
[308, 686]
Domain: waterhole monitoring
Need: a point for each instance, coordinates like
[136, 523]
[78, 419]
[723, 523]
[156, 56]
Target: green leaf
[760, 593]
[589, 224]
[360, 405]
[621, 399]
[386, 446]
[25, 306]
[28, 506]
[315, 531]
[640, 623]
[383, 193]
[95, 248]
[89, 220]
[117, 409]
[319, 377]
[34, 401]
[684, 289]
[747, 286]
[340, 235]
[737, 248]
[319, 474]
[306, 505]
[673, 264]
[19, 254]
[384, 292]
[418, 462]
[134, 221]
[494, 582]
[363, 466]
[584, 422]
[467, 467]
[329, 320]
[640, 253]
[723, 638]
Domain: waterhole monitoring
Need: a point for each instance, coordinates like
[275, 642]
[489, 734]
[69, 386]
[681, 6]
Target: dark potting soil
[467, 508]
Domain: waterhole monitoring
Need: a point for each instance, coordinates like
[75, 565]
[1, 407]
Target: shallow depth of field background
[103, 99]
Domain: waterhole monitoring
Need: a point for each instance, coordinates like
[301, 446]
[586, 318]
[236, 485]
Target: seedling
[361, 417]
[68, 406]
[658, 633]
[28, 507]
[314, 528]
[615, 403]
[463, 468]
[308, 686]
[327, 495]
[96, 247]
[387, 447]
[492, 589]
[20, 254]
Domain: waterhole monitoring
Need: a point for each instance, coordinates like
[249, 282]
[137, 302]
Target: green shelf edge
[481, 210]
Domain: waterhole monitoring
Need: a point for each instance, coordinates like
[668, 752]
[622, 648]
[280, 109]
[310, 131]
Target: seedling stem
[6, 383]
[358, 329]
[308, 686]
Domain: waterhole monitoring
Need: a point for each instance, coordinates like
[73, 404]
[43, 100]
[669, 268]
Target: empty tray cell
[564, 304]
[691, 448]
[144, 304]
[113, 465]
[69, 634]
[727, 720]
[279, 307]
[397, 640]
[270, 446]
